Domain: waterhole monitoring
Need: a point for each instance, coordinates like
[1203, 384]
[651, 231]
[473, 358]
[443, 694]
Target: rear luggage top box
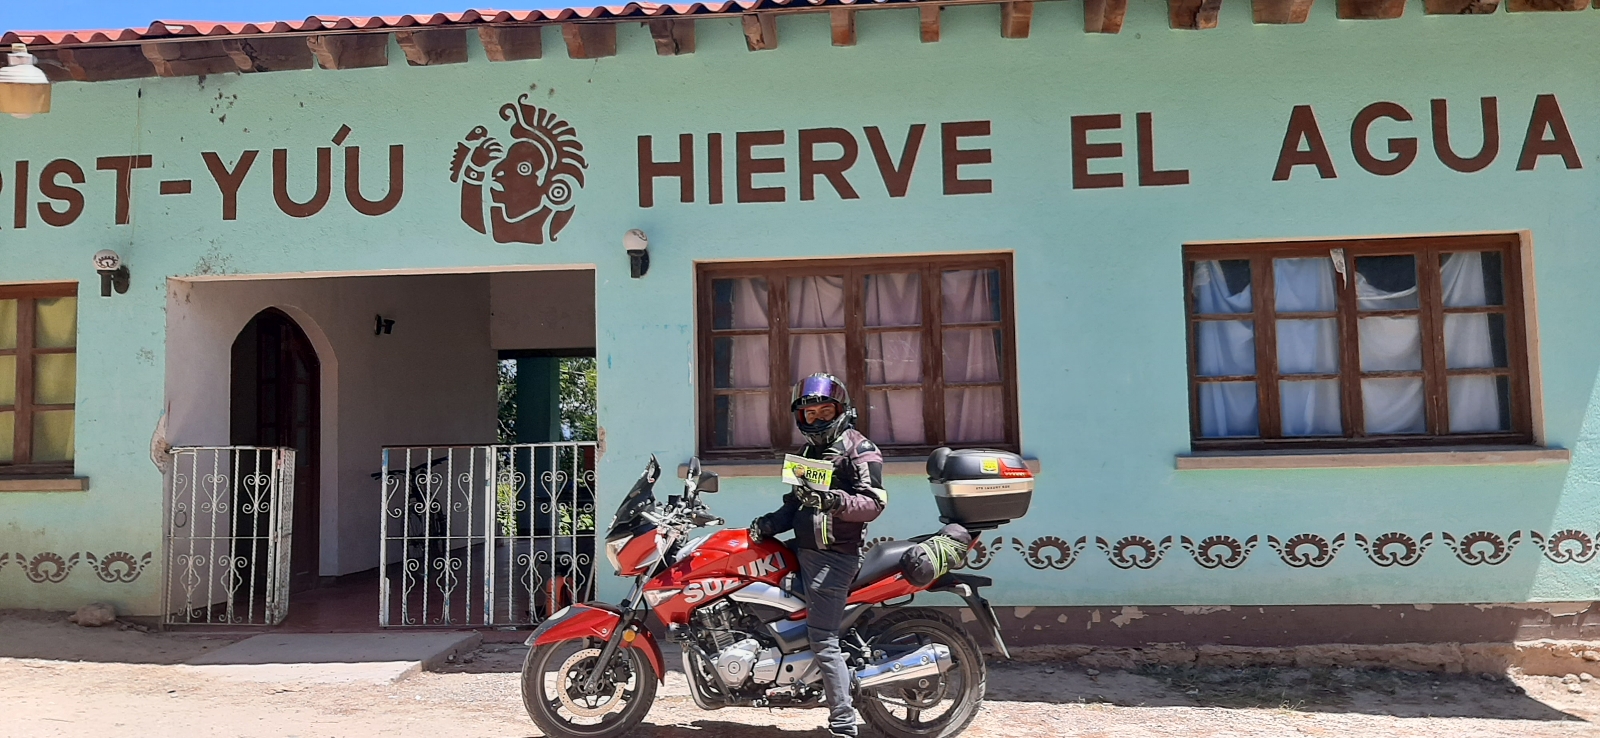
[979, 488]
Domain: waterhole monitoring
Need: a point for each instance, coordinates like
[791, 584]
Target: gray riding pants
[827, 576]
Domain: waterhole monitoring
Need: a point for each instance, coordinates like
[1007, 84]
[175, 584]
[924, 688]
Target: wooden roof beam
[1371, 9]
[268, 54]
[1281, 11]
[433, 47]
[930, 22]
[1535, 6]
[1194, 15]
[760, 31]
[843, 21]
[1016, 19]
[589, 40]
[1104, 16]
[673, 36]
[1460, 7]
[350, 51]
[511, 43]
[188, 58]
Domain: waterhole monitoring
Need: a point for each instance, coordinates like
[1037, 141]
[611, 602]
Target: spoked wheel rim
[929, 705]
[553, 687]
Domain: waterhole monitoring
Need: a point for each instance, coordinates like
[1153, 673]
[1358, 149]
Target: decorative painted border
[1301, 551]
[117, 567]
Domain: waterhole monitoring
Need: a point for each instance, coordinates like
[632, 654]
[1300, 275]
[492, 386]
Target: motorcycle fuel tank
[726, 562]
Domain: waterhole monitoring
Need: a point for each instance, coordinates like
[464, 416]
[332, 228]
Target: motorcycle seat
[880, 562]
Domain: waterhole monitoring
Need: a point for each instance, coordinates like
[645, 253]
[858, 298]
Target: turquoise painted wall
[1098, 272]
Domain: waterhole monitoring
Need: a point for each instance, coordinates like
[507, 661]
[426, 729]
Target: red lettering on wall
[650, 169]
[955, 156]
[896, 177]
[714, 167]
[1403, 149]
[19, 210]
[280, 184]
[71, 196]
[123, 166]
[1547, 117]
[228, 183]
[1149, 176]
[833, 169]
[1491, 137]
[1303, 126]
[352, 181]
[746, 166]
[1083, 151]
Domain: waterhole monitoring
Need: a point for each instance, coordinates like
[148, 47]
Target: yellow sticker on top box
[991, 465]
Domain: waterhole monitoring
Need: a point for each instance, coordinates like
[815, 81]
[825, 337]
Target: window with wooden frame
[38, 377]
[925, 346]
[1382, 342]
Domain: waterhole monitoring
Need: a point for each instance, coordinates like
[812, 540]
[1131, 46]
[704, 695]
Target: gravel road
[58, 680]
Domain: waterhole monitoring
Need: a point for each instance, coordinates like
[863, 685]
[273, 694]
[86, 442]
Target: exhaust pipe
[924, 663]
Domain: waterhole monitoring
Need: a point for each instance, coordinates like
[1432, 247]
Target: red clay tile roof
[323, 23]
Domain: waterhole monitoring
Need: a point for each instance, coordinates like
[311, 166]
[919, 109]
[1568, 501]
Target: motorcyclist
[829, 527]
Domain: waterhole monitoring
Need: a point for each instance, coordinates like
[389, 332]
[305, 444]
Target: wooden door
[276, 383]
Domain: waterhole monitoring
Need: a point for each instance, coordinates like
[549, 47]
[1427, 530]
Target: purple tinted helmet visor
[819, 388]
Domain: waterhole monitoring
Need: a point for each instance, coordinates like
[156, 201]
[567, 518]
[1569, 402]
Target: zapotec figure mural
[530, 183]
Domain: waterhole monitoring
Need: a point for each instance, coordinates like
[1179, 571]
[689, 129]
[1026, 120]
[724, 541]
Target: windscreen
[640, 499]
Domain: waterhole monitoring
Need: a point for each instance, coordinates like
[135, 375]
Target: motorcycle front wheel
[941, 707]
[552, 690]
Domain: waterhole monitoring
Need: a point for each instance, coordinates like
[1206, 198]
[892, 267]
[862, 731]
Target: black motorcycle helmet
[815, 390]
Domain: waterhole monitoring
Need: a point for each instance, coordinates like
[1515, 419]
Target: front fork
[632, 615]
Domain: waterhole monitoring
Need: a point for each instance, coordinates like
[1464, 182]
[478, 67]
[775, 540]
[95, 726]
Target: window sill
[915, 466]
[44, 484]
[1373, 458]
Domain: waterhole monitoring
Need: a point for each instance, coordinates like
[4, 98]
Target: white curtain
[972, 414]
[1391, 405]
[816, 302]
[1307, 346]
[748, 367]
[894, 357]
[1475, 401]
[1226, 348]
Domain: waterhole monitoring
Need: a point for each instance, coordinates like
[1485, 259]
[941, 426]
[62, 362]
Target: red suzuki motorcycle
[731, 604]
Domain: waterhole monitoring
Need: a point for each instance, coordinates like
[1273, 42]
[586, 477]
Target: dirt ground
[60, 680]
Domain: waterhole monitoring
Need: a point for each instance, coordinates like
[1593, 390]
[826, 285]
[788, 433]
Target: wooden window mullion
[855, 348]
[1010, 385]
[23, 419]
[1435, 382]
[1517, 341]
[933, 354]
[1193, 327]
[1355, 422]
[1266, 325]
[778, 350]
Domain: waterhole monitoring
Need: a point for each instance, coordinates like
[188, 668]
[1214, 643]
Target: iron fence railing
[485, 535]
[229, 519]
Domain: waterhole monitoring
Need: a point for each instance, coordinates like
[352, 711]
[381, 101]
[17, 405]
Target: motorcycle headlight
[654, 597]
[614, 552]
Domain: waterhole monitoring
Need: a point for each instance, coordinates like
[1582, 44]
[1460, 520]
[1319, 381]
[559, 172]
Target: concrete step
[334, 657]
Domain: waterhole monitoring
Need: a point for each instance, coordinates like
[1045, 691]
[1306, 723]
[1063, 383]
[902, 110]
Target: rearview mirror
[708, 482]
[694, 467]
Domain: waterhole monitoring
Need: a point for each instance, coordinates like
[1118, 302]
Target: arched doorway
[275, 402]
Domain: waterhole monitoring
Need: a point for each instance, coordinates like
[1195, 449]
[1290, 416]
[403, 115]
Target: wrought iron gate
[486, 535]
[229, 519]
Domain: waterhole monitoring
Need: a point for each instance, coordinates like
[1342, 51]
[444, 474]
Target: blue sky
[49, 15]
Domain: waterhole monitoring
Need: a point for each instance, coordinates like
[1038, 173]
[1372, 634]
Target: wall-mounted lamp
[638, 247]
[382, 326]
[24, 90]
[113, 273]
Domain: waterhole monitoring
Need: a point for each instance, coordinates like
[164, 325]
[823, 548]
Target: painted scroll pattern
[1306, 551]
[49, 567]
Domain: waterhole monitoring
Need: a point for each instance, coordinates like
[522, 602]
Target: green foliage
[506, 397]
[579, 399]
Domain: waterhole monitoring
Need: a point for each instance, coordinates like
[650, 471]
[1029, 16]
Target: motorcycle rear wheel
[551, 676]
[954, 697]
